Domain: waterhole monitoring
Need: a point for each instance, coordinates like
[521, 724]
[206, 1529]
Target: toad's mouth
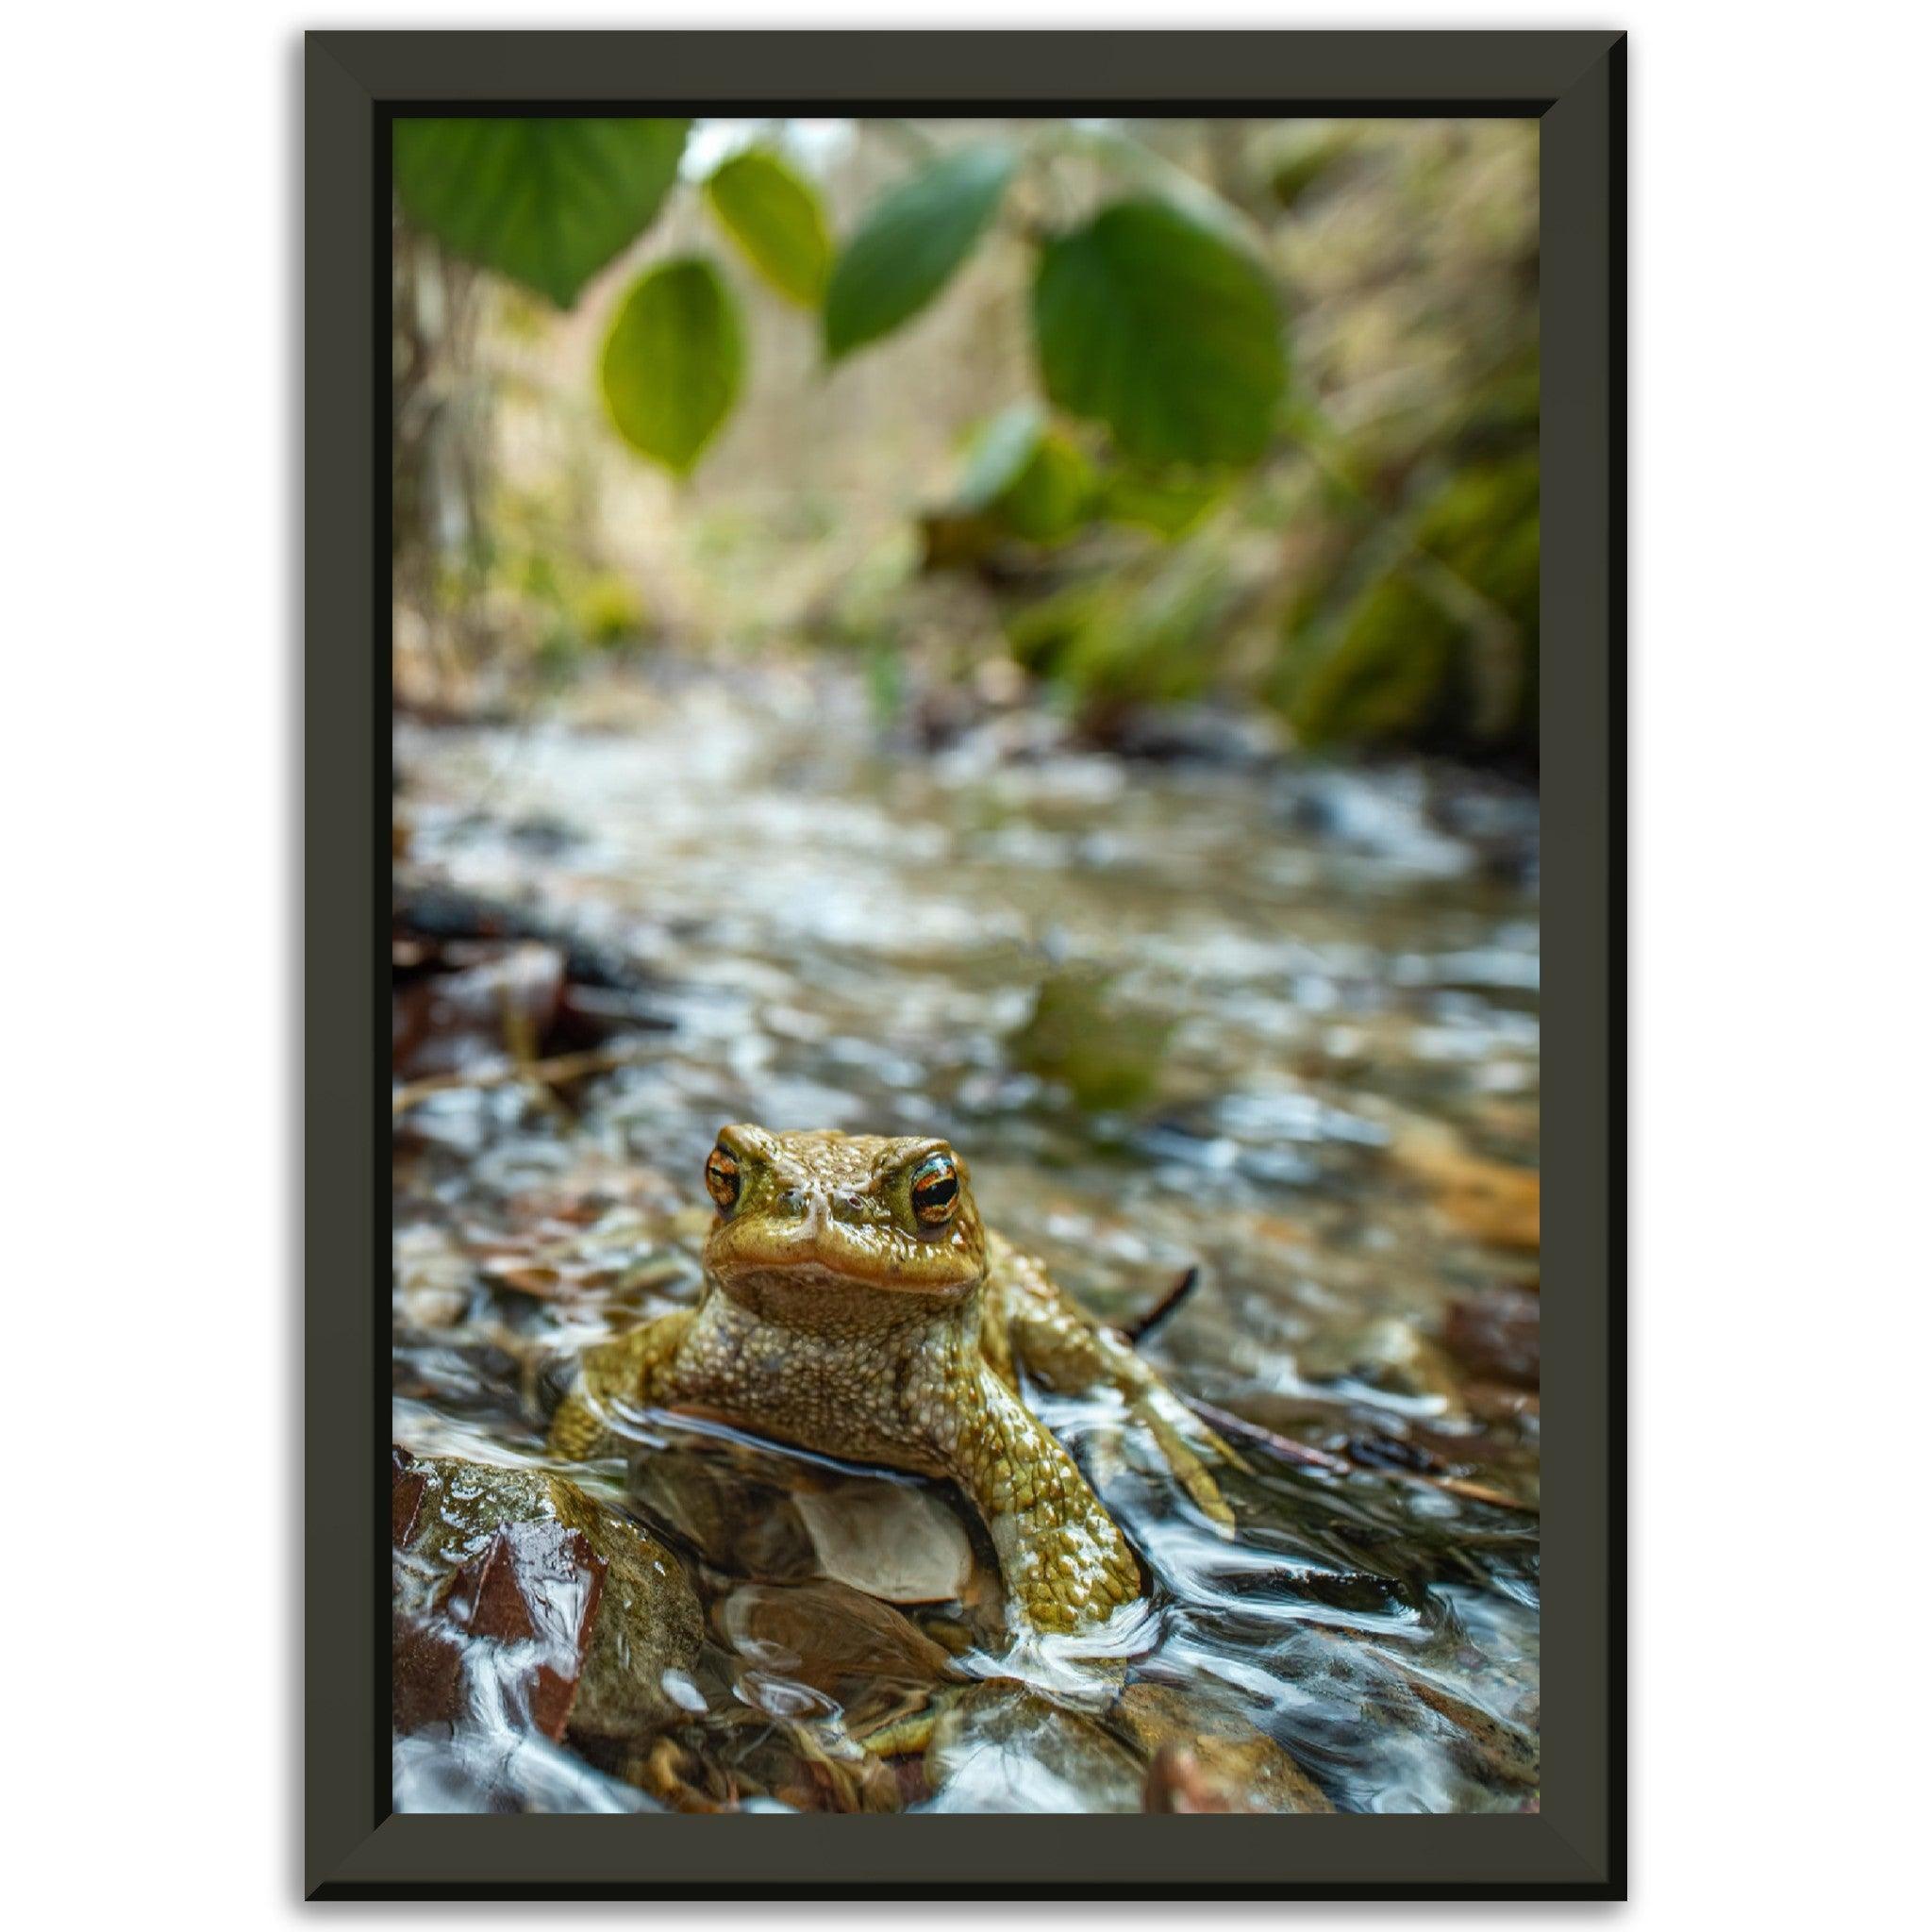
[820, 1256]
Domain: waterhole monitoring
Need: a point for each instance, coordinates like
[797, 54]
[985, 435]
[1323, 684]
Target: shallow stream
[1270, 1023]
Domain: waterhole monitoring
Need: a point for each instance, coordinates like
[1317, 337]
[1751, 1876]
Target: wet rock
[433, 1278]
[1203, 1759]
[1487, 1747]
[407, 1479]
[482, 1771]
[1197, 1143]
[1206, 734]
[473, 1368]
[889, 1539]
[1003, 1748]
[1388, 1354]
[430, 914]
[619, 1255]
[518, 1598]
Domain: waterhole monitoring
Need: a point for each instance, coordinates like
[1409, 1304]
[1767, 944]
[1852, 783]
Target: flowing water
[1271, 1023]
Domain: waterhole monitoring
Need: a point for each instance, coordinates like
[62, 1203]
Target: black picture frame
[1575, 83]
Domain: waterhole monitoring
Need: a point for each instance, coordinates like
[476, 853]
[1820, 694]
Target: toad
[856, 1305]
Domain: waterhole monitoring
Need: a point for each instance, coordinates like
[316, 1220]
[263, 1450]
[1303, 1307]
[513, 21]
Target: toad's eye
[935, 1190]
[722, 1178]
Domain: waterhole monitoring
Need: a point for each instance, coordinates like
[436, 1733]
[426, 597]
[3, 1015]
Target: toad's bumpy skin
[855, 1305]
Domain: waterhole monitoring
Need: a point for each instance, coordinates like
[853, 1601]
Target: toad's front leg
[637, 1371]
[1041, 1331]
[1063, 1559]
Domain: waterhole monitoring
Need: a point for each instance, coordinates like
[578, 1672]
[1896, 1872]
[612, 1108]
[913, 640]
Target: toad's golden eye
[722, 1178]
[935, 1190]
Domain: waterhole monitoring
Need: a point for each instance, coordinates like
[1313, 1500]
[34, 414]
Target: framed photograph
[925, 698]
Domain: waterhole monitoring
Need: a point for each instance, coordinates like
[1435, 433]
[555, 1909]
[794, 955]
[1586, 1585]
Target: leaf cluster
[1170, 512]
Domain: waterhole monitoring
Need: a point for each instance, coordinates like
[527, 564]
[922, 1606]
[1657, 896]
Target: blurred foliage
[546, 202]
[775, 217]
[1160, 329]
[1181, 512]
[674, 362]
[909, 247]
[1082, 1036]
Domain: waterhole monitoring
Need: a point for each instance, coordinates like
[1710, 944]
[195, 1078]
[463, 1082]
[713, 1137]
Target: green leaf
[999, 450]
[1169, 503]
[673, 361]
[1163, 331]
[1019, 478]
[546, 202]
[909, 245]
[1050, 499]
[775, 218]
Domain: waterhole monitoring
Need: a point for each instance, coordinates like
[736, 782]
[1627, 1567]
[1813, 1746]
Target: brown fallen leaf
[1484, 1199]
[830, 1637]
[1497, 1335]
[488, 998]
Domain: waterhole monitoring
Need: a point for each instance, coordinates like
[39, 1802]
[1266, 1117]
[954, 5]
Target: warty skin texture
[855, 1305]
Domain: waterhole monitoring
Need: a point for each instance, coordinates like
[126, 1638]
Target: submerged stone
[1202, 1759]
[1001, 1747]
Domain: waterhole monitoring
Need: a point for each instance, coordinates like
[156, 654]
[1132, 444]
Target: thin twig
[1286, 1447]
[1289, 1450]
[559, 1071]
[1143, 1326]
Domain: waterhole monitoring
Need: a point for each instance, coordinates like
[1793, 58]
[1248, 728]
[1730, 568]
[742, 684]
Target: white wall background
[1780, 752]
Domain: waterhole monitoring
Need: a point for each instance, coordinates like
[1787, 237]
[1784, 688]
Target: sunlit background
[1278, 451]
